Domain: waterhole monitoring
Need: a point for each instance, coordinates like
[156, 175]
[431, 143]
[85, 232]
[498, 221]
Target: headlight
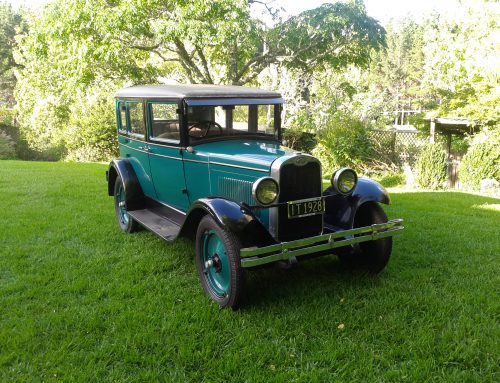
[265, 191]
[344, 181]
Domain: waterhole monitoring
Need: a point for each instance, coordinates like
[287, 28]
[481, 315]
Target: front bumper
[256, 256]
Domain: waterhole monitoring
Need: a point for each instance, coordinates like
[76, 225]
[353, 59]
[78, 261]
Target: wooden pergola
[449, 126]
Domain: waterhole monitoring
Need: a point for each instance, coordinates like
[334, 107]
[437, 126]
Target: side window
[136, 118]
[122, 123]
[164, 122]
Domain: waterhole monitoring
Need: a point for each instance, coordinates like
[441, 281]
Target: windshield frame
[225, 102]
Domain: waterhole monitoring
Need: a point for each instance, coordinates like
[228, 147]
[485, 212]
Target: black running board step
[159, 225]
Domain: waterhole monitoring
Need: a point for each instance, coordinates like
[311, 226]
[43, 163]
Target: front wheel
[371, 256]
[218, 263]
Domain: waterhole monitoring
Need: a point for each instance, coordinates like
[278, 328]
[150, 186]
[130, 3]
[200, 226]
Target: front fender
[370, 190]
[230, 216]
[340, 210]
[134, 197]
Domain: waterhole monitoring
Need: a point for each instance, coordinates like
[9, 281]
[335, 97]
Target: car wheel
[125, 221]
[218, 263]
[371, 256]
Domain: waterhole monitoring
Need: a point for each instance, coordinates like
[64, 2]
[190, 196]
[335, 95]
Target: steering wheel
[203, 128]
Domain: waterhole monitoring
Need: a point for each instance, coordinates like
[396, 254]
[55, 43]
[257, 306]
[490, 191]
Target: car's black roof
[194, 91]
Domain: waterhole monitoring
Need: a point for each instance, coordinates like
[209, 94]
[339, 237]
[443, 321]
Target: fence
[401, 147]
[397, 146]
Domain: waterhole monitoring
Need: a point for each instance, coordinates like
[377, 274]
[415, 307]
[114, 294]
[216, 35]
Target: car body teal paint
[248, 153]
[132, 148]
[232, 167]
[167, 173]
[181, 167]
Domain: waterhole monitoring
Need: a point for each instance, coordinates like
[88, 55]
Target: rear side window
[136, 118]
[122, 123]
[164, 122]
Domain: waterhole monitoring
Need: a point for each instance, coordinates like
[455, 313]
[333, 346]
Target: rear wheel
[218, 263]
[371, 256]
[125, 221]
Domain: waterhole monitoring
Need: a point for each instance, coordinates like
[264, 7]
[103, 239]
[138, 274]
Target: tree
[462, 57]
[79, 46]
[397, 70]
[205, 42]
[11, 23]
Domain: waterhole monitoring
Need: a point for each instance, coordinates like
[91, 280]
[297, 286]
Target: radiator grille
[237, 190]
[299, 182]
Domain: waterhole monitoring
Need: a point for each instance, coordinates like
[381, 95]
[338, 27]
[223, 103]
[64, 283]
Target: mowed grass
[81, 301]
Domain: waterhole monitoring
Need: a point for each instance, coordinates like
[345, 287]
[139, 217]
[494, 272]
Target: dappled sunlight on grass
[488, 206]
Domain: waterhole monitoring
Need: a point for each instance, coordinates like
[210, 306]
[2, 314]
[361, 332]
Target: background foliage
[342, 74]
[431, 167]
[482, 159]
[76, 48]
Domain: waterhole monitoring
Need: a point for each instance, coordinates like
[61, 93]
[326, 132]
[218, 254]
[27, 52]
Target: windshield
[210, 122]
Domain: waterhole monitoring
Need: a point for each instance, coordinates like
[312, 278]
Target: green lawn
[82, 301]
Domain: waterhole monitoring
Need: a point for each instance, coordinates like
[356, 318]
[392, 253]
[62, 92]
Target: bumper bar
[256, 256]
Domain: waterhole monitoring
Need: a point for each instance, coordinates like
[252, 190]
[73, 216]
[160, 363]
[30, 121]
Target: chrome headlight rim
[336, 178]
[259, 183]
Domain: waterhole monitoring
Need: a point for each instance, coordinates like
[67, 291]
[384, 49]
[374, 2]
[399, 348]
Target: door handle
[145, 148]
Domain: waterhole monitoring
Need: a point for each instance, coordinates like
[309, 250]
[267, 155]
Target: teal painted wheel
[218, 263]
[125, 222]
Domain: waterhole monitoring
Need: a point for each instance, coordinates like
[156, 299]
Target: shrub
[344, 141]
[430, 169]
[482, 160]
[299, 140]
[7, 147]
[390, 179]
[324, 155]
[91, 132]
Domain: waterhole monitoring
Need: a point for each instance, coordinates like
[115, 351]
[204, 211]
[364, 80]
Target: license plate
[306, 207]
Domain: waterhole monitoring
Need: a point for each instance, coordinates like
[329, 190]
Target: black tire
[370, 256]
[124, 220]
[226, 286]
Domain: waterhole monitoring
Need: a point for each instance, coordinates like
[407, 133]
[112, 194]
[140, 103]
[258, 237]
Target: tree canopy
[11, 24]
[462, 68]
[78, 52]
[334, 64]
[198, 41]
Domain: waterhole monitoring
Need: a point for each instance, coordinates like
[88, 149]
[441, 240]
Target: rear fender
[134, 197]
[230, 216]
[340, 210]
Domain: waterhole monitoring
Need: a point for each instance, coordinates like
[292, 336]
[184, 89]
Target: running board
[159, 225]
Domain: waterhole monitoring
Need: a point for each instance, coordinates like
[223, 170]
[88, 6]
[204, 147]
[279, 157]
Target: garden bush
[482, 160]
[324, 155]
[91, 132]
[300, 140]
[7, 147]
[430, 169]
[390, 179]
[344, 141]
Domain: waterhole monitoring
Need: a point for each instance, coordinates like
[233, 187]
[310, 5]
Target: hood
[247, 153]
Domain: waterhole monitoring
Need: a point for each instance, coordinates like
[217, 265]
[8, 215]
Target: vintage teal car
[208, 161]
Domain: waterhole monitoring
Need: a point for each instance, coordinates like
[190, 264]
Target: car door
[132, 142]
[165, 155]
